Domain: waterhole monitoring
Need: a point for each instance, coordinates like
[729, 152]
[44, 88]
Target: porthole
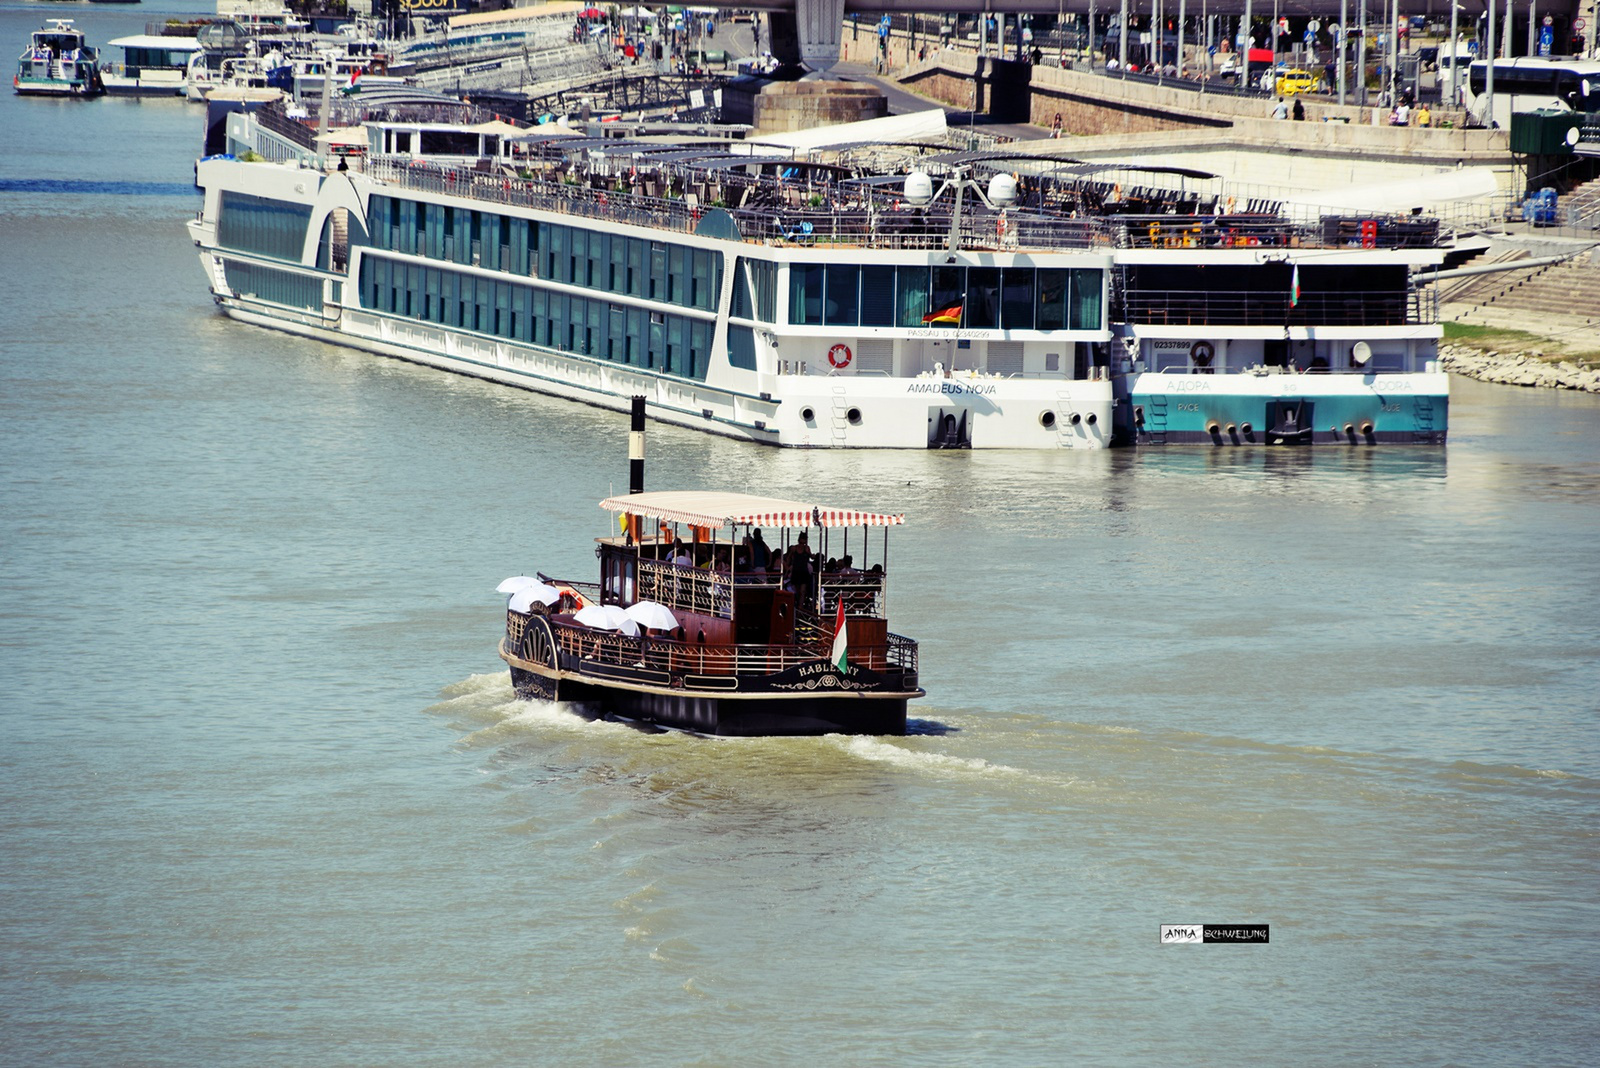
[853, 416]
[1047, 420]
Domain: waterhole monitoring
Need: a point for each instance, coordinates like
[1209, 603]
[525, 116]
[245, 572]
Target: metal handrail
[1390, 307]
[677, 658]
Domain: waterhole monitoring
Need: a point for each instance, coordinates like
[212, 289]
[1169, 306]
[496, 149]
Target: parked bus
[1529, 83]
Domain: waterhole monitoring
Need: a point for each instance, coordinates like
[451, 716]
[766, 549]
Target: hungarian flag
[951, 315]
[355, 78]
[840, 642]
[1294, 287]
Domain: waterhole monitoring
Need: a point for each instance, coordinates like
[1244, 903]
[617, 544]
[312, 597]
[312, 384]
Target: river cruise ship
[700, 623]
[58, 63]
[884, 295]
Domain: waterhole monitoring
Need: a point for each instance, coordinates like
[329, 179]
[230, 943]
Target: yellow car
[1296, 81]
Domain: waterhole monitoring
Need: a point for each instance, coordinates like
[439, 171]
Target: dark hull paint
[749, 715]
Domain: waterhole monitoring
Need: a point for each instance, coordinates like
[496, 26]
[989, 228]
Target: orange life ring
[839, 356]
[1000, 227]
[577, 598]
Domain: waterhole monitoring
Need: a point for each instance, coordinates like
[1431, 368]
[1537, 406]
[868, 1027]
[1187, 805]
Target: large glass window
[271, 284]
[877, 296]
[911, 292]
[1016, 298]
[742, 347]
[266, 227]
[805, 294]
[1086, 312]
[1051, 311]
[982, 308]
[948, 292]
[843, 306]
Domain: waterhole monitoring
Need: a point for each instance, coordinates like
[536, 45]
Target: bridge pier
[810, 36]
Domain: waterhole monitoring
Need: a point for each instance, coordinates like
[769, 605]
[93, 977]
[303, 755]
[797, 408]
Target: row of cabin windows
[594, 259]
[266, 227]
[671, 344]
[269, 283]
[996, 298]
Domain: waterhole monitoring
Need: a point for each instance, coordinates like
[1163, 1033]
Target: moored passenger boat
[759, 295]
[58, 63]
[698, 624]
[1259, 329]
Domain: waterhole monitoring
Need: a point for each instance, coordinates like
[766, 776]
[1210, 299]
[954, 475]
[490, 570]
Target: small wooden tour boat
[698, 624]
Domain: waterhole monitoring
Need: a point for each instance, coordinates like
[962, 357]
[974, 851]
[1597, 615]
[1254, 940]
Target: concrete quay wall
[1094, 104]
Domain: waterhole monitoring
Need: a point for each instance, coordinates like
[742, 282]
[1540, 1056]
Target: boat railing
[671, 657]
[1196, 307]
[1274, 231]
[687, 588]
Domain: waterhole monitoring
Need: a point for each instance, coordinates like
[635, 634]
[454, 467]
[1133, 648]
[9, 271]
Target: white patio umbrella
[607, 617]
[514, 583]
[653, 614]
[534, 591]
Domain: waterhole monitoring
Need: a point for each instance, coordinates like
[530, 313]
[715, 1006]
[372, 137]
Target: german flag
[950, 316]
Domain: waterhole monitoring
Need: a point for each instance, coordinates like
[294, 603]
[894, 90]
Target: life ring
[1201, 352]
[839, 356]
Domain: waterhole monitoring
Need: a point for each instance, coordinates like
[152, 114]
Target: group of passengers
[797, 568]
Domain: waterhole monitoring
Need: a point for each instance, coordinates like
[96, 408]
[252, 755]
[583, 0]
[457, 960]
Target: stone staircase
[1582, 205]
[1564, 292]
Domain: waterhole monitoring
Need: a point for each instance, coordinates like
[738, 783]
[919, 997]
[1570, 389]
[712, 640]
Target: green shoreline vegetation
[1581, 351]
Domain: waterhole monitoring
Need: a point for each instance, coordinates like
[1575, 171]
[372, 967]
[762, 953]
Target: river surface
[266, 798]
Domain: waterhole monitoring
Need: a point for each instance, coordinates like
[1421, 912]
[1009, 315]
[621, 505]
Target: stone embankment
[1517, 369]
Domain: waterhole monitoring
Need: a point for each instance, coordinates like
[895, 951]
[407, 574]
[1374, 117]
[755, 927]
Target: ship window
[556, 264]
[1016, 298]
[911, 293]
[268, 283]
[705, 291]
[561, 316]
[743, 307]
[699, 349]
[675, 354]
[877, 296]
[764, 276]
[378, 221]
[843, 306]
[658, 271]
[463, 235]
[266, 227]
[617, 334]
[982, 306]
[805, 294]
[635, 267]
[540, 314]
[618, 281]
[595, 269]
[658, 342]
[592, 334]
[502, 309]
[742, 347]
[1086, 285]
[678, 287]
[947, 289]
[636, 340]
[1052, 300]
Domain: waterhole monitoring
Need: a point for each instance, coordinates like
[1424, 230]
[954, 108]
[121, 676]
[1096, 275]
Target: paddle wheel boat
[697, 624]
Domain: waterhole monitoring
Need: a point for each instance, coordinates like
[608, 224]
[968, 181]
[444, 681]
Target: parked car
[1296, 80]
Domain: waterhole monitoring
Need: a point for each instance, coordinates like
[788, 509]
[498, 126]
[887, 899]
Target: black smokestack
[636, 448]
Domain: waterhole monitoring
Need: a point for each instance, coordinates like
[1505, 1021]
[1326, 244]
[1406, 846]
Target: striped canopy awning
[713, 509]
